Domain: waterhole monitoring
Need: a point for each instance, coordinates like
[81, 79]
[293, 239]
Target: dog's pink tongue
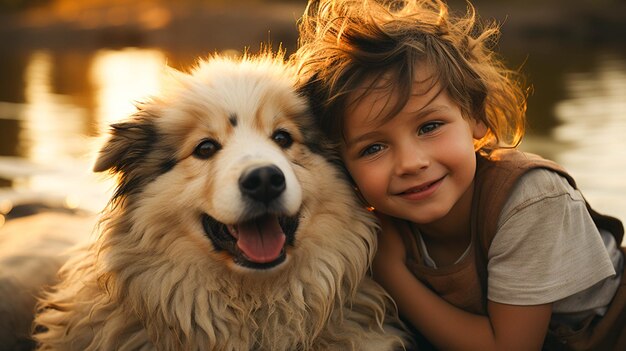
[261, 240]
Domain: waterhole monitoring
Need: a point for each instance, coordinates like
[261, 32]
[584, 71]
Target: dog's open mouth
[257, 243]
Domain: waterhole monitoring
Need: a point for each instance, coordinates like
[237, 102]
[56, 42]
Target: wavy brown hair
[345, 43]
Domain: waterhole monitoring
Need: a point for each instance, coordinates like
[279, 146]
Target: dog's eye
[206, 149]
[282, 138]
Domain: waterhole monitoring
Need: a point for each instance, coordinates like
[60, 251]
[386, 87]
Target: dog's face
[225, 165]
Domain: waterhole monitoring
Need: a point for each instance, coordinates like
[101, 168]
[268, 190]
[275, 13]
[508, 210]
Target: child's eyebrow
[428, 109]
[360, 138]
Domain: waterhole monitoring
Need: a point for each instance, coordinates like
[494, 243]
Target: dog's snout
[263, 184]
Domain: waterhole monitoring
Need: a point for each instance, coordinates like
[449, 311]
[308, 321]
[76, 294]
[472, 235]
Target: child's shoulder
[538, 186]
[509, 171]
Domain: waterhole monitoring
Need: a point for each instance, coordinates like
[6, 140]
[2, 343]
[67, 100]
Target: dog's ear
[134, 138]
[130, 141]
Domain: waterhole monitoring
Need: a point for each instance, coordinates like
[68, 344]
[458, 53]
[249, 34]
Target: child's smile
[421, 191]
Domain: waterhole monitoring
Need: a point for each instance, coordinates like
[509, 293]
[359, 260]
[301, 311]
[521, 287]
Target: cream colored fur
[153, 281]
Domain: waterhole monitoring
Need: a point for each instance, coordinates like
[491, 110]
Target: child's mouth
[418, 190]
[424, 188]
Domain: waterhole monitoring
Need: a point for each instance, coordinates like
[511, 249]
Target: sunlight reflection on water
[57, 135]
[122, 77]
[51, 126]
[593, 120]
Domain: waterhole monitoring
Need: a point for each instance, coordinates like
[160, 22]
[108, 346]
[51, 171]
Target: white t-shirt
[548, 250]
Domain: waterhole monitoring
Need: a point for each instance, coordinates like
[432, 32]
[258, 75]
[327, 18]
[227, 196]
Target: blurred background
[68, 68]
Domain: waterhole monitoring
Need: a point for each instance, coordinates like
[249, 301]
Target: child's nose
[410, 159]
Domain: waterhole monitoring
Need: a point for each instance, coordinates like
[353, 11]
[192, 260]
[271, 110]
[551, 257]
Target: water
[589, 134]
[56, 103]
[69, 99]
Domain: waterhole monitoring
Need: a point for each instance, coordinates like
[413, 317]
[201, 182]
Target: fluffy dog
[230, 229]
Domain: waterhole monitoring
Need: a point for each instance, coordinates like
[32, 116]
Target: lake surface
[56, 102]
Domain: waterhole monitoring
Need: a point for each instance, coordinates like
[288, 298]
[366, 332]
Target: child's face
[418, 165]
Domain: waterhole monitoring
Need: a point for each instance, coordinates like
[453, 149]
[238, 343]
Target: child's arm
[507, 327]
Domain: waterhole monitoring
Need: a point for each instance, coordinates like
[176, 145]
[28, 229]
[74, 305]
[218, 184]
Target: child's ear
[479, 129]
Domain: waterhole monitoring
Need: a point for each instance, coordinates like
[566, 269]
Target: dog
[231, 228]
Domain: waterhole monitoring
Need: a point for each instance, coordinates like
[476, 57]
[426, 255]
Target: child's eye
[429, 127]
[371, 149]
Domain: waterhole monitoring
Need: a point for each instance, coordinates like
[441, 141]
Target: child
[482, 247]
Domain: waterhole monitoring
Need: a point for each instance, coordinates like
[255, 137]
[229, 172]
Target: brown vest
[465, 284]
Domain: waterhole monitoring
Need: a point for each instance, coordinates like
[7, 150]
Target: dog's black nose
[263, 184]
